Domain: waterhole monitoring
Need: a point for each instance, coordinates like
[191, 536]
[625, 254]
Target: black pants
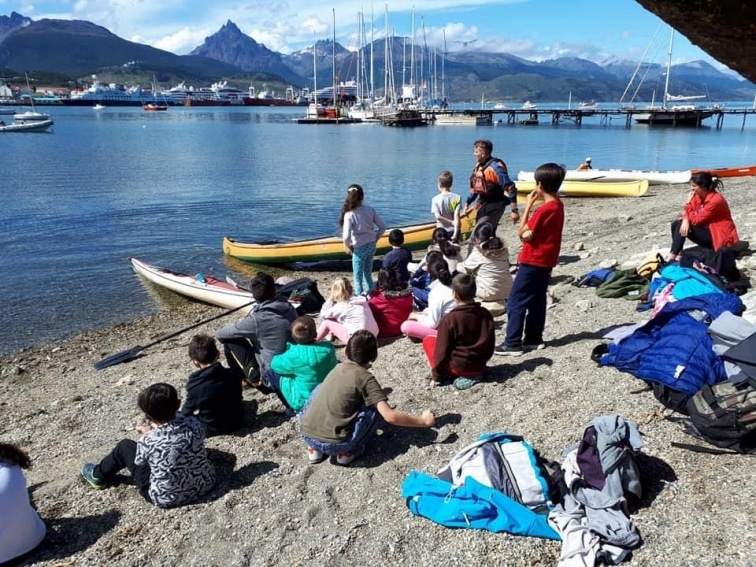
[701, 235]
[491, 212]
[240, 356]
[122, 457]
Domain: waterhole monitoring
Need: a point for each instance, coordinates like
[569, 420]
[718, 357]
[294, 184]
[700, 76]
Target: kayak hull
[416, 237]
[744, 171]
[593, 188]
[212, 290]
[614, 175]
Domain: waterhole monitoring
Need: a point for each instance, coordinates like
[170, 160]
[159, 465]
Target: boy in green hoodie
[297, 371]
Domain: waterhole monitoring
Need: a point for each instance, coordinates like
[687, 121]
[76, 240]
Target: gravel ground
[271, 508]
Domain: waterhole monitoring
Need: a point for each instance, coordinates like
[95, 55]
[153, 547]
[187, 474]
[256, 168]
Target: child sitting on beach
[440, 302]
[297, 371]
[465, 339]
[541, 236]
[391, 304]
[398, 257]
[344, 314]
[445, 206]
[488, 261]
[168, 465]
[350, 405]
[421, 280]
[213, 393]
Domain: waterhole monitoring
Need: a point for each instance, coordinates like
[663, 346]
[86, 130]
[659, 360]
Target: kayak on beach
[613, 175]
[593, 188]
[745, 171]
[416, 237]
[207, 288]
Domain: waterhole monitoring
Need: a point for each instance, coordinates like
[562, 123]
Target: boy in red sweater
[541, 236]
[465, 339]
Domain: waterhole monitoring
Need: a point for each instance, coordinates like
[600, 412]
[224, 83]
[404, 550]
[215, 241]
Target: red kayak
[744, 171]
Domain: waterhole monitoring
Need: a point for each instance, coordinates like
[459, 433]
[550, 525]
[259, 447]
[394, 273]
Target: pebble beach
[270, 507]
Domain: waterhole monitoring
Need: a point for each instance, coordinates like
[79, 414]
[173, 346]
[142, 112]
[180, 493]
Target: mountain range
[77, 48]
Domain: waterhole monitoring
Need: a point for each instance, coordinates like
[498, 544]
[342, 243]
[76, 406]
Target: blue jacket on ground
[673, 348]
[472, 505]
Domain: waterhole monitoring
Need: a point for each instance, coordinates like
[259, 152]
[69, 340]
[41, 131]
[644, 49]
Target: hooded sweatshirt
[491, 270]
[465, 341]
[267, 326]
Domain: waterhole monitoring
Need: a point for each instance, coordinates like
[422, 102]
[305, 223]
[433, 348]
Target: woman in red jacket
[706, 218]
[391, 304]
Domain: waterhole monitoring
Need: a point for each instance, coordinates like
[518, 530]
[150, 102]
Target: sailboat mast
[404, 61]
[385, 57]
[443, 69]
[372, 39]
[334, 57]
[315, 71]
[669, 67]
[412, 54]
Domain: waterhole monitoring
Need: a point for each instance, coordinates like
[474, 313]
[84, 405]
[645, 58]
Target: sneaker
[315, 456]
[87, 473]
[539, 346]
[464, 383]
[504, 350]
[344, 459]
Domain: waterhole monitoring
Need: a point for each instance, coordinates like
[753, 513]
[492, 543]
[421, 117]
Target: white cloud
[181, 41]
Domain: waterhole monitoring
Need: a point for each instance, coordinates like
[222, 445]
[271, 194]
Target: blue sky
[534, 29]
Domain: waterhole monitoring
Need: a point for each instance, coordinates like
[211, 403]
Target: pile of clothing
[501, 484]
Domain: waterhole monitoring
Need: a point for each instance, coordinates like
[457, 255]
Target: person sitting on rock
[489, 263]
[348, 407]
[391, 303]
[705, 219]
[343, 313]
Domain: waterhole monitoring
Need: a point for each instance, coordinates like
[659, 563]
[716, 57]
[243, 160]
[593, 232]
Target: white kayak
[205, 288]
[599, 175]
[39, 126]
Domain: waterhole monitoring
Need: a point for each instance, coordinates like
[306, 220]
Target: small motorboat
[33, 126]
[745, 171]
[98, 107]
[154, 107]
[31, 116]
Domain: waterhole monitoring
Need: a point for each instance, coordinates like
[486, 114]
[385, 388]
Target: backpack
[509, 464]
[305, 292]
[624, 283]
[650, 265]
[724, 414]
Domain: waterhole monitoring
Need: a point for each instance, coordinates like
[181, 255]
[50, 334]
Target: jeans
[364, 425]
[362, 268]
[272, 381]
[526, 306]
[122, 457]
[701, 235]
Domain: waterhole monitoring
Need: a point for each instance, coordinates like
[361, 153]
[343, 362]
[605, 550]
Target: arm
[524, 231]
[712, 210]
[401, 419]
[442, 352]
[282, 364]
[328, 311]
[379, 223]
[191, 403]
[239, 329]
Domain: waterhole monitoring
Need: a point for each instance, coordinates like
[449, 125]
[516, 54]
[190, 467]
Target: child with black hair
[464, 341]
[168, 464]
[398, 257]
[421, 280]
[213, 393]
[297, 371]
[541, 236]
[488, 261]
[440, 302]
[251, 342]
[349, 406]
[391, 303]
[21, 529]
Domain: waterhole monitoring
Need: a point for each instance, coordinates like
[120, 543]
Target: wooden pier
[655, 116]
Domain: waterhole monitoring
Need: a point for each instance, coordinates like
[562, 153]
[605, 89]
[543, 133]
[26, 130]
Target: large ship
[269, 98]
[109, 95]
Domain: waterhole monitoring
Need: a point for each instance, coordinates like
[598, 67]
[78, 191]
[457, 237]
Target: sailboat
[33, 115]
[682, 115]
[155, 105]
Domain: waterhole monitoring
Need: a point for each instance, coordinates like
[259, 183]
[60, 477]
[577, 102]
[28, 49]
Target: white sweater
[354, 314]
[21, 530]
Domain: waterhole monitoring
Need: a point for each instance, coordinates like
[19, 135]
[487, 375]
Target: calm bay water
[166, 187]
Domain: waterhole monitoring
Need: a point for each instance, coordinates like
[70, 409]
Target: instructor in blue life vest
[491, 189]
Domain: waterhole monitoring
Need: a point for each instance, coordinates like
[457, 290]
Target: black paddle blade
[119, 357]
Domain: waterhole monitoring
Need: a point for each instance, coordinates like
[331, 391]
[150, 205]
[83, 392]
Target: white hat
[588, 159]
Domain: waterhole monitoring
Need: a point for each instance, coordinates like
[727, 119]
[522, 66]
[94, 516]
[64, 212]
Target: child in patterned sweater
[168, 464]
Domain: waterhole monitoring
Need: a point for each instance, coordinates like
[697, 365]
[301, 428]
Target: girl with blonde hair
[343, 314]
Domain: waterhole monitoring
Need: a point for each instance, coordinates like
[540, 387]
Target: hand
[515, 216]
[684, 227]
[143, 426]
[533, 197]
[428, 419]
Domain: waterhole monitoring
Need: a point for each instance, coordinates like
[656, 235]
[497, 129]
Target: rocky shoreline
[272, 508]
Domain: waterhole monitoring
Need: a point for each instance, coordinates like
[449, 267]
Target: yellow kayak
[416, 237]
[594, 188]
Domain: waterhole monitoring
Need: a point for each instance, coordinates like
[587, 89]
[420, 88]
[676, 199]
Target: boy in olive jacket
[297, 371]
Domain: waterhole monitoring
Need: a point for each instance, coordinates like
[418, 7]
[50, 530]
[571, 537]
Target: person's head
[485, 237]
[445, 180]
[439, 270]
[341, 290]
[263, 287]
[704, 182]
[438, 235]
[354, 197]
[588, 160]
[388, 281]
[432, 256]
[549, 177]
[13, 456]
[159, 402]
[448, 249]
[362, 347]
[303, 331]
[482, 150]
[396, 237]
[203, 350]
[464, 288]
